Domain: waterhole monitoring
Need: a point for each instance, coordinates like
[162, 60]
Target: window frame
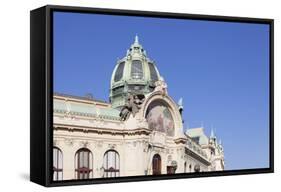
[56, 168]
[85, 171]
[140, 73]
[111, 170]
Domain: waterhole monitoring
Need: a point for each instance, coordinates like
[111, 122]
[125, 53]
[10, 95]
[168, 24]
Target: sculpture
[161, 86]
[132, 105]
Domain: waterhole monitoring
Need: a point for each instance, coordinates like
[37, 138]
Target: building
[139, 132]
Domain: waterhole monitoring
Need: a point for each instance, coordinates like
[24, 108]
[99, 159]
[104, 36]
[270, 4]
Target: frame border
[45, 159]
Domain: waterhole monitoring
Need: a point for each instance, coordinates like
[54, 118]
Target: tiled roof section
[198, 132]
[85, 109]
[79, 97]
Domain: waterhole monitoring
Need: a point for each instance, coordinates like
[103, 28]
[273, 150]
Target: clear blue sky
[220, 69]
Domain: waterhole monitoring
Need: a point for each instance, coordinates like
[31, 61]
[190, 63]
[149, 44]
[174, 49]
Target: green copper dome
[133, 74]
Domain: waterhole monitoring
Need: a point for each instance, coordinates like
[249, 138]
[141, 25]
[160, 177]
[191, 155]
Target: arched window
[156, 164]
[111, 164]
[185, 165]
[153, 73]
[136, 69]
[57, 164]
[119, 72]
[190, 168]
[83, 165]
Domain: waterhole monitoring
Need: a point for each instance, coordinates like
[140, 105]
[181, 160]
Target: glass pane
[153, 73]
[60, 175]
[55, 157]
[80, 158]
[136, 70]
[55, 176]
[85, 159]
[119, 72]
[59, 160]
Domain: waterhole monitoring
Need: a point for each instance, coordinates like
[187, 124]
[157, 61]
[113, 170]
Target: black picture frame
[41, 92]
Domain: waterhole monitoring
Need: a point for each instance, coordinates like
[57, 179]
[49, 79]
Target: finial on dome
[180, 102]
[180, 106]
[136, 39]
[212, 134]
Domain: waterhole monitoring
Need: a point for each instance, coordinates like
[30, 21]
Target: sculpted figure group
[132, 106]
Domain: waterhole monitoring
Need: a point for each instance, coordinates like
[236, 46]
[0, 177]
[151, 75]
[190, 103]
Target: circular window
[159, 118]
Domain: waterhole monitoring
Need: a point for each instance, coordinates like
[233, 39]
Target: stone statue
[132, 105]
[161, 86]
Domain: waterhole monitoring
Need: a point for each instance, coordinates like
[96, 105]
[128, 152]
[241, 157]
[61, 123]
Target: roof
[85, 109]
[86, 98]
[133, 74]
[198, 132]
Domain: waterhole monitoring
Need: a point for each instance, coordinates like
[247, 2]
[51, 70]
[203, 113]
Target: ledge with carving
[180, 140]
[85, 129]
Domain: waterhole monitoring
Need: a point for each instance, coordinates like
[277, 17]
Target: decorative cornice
[71, 113]
[138, 131]
[180, 140]
[67, 96]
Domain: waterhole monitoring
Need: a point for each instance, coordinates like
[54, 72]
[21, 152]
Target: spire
[212, 134]
[180, 102]
[136, 39]
[180, 107]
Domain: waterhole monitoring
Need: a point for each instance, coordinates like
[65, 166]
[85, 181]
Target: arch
[160, 118]
[156, 165]
[57, 164]
[172, 106]
[185, 167]
[83, 164]
[111, 163]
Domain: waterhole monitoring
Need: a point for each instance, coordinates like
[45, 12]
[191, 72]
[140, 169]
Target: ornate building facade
[139, 132]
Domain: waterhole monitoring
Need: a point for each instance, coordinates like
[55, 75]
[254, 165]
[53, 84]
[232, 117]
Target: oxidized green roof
[198, 132]
[84, 109]
[133, 74]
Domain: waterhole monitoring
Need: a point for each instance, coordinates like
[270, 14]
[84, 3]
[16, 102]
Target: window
[111, 164]
[57, 164]
[83, 167]
[153, 73]
[156, 164]
[135, 88]
[185, 165]
[119, 72]
[196, 139]
[136, 70]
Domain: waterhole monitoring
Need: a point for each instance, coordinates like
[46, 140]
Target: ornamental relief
[84, 144]
[69, 141]
[159, 118]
